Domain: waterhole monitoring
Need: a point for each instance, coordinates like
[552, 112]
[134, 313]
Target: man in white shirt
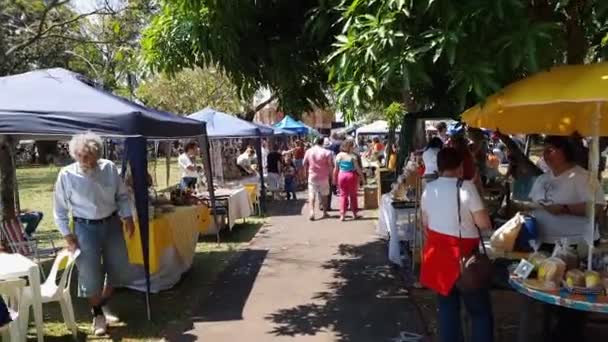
[187, 162]
[562, 194]
[442, 131]
[92, 191]
[245, 161]
[265, 156]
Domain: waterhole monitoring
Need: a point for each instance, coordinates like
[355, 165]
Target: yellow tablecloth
[178, 229]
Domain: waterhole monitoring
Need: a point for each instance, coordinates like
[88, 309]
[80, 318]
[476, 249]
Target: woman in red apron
[447, 241]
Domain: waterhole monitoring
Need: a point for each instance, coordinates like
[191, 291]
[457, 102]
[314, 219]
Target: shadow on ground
[366, 301]
[286, 207]
[242, 233]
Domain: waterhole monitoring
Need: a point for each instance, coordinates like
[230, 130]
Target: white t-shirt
[570, 187]
[264, 159]
[184, 161]
[439, 204]
[244, 160]
[429, 157]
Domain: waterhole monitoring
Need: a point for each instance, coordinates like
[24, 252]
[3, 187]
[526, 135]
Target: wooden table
[16, 266]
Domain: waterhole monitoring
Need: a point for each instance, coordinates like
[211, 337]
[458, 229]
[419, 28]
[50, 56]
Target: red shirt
[298, 153]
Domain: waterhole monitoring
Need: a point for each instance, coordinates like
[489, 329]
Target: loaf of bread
[592, 279]
[551, 272]
[575, 278]
[537, 258]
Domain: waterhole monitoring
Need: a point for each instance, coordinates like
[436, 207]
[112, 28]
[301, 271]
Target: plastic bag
[565, 252]
[551, 272]
[503, 239]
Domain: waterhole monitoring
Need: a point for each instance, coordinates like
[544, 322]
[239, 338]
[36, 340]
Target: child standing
[289, 172]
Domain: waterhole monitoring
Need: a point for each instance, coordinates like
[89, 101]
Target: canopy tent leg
[167, 164]
[258, 152]
[206, 152]
[136, 150]
[594, 154]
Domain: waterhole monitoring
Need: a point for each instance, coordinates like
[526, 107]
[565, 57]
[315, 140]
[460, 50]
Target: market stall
[174, 233]
[379, 127]
[238, 203]
[57, 103]
[290, 124]
[562, 101]
[397, 224]
[399, 219]
[222, 126]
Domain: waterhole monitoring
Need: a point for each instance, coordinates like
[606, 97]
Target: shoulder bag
[476, 270]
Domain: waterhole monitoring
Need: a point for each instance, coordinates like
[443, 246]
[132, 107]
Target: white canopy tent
[375, 128]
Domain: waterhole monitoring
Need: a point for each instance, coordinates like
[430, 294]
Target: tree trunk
[7, 178]
[575, 35]
[250, 114]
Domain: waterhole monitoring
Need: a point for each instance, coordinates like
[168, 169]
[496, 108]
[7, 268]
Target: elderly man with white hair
[93, 193]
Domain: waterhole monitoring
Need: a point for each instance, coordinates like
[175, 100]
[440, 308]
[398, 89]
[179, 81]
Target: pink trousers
[348, 184]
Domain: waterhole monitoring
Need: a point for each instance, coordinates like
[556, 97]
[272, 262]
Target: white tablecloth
[396, 225]
[239, 205]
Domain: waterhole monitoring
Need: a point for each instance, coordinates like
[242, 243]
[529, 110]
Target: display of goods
[575, 278]
[551, 272]
[537, 258]
[592, 279]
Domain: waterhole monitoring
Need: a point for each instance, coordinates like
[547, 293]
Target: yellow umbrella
[560, 101]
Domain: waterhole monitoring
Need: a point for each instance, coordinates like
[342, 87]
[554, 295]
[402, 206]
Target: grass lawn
[172, 309]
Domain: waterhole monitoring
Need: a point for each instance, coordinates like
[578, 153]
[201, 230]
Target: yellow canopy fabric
[560, 101]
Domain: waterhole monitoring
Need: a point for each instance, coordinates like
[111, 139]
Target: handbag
[476, 270]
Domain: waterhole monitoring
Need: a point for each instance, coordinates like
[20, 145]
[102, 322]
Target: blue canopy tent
[56, 103]
[221, 125]
[277, 131]
[290, 124]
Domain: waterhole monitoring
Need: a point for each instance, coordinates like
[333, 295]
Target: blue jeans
[30, 221]
[103, 253]
[478, 306]
[188, 182]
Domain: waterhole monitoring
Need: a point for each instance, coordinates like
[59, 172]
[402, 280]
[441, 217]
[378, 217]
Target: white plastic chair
[51, 291]
[11, 291]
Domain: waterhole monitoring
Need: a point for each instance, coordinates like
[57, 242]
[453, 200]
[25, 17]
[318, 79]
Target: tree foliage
[110, 53]
[191, 90]
[448, 55]
[256, 43]
[30, 34]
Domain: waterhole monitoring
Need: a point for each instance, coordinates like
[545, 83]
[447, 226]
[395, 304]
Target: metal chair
[17, 242]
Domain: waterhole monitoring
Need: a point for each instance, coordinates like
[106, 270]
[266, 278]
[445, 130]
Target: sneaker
[111, 318]
[99, 325]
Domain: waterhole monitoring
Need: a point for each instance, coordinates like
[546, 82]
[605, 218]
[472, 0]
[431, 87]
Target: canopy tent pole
[16, 185]
[594, 153]
[137, 156]
[258, 152]
[206, 152]
[167, 164]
